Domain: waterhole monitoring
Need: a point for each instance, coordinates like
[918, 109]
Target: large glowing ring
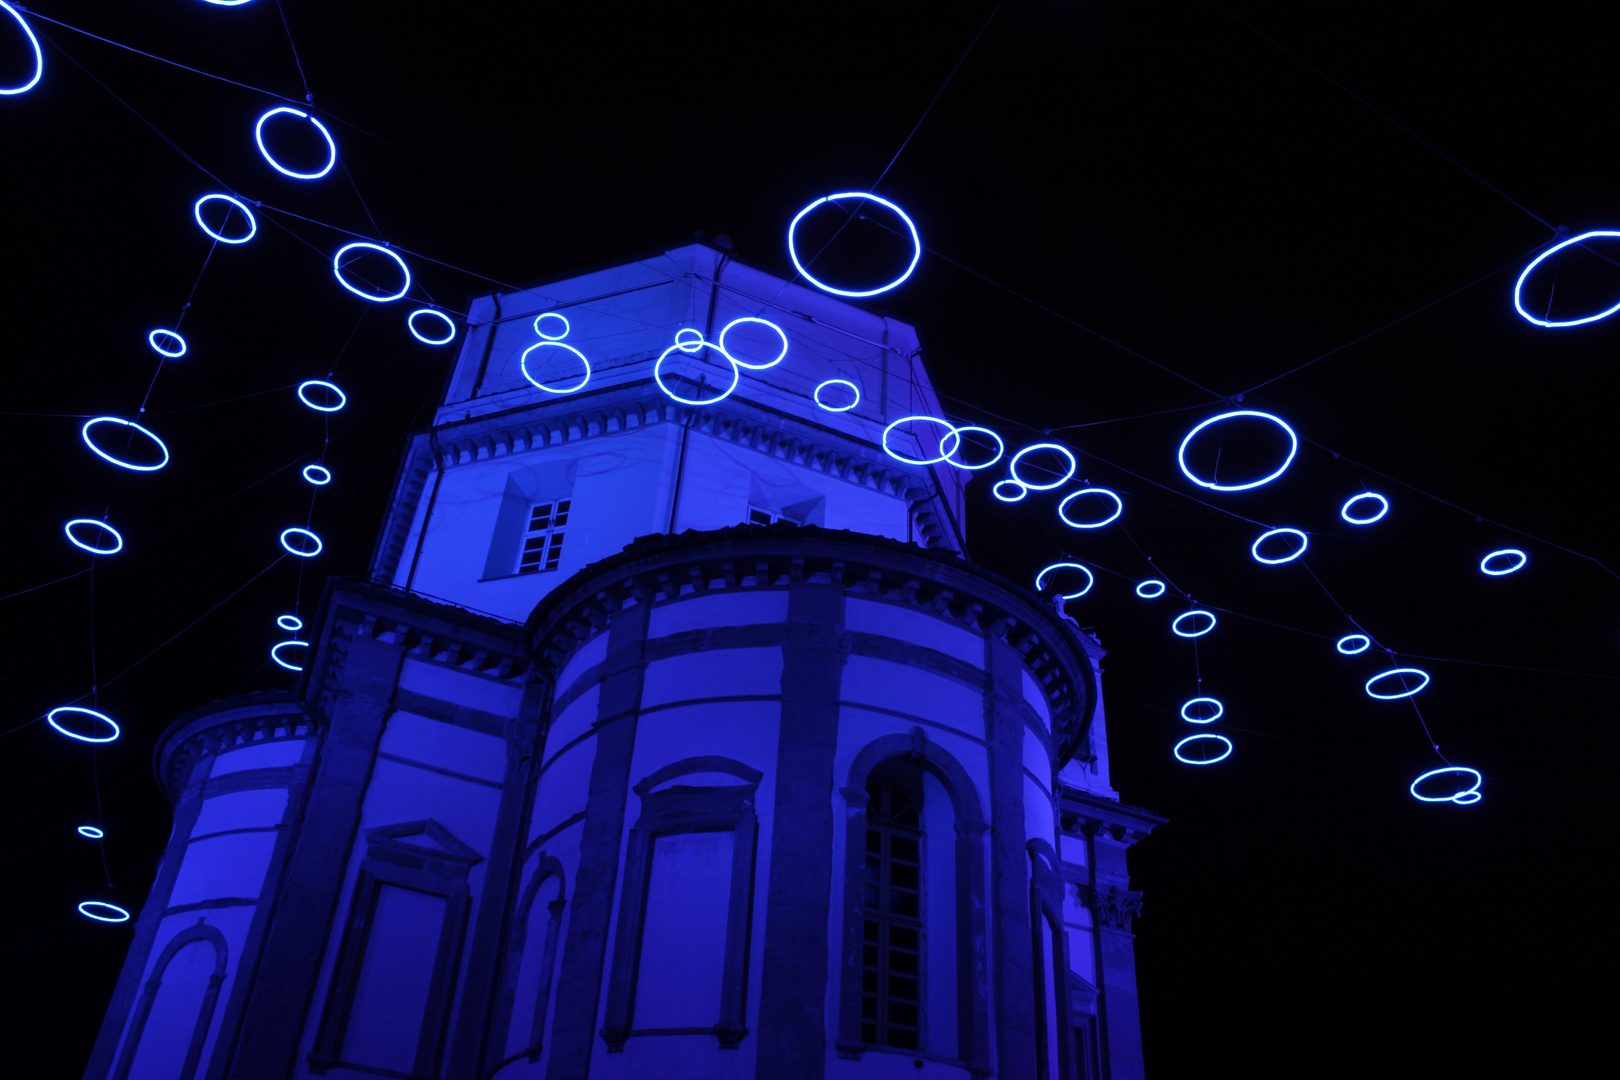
[1519, 285]
[1383, 508]
[103, 912]
[1254, 549]
[176, 343]
[90, 832]
[253, 223]
[1175, 624]
[553, 315]
[227, 3]
[343, 399]
[449, 326]
[116, 538]
[285, 533]
[1466, 797]
[1090, 580]
[331, 147]
[337, 270]
[1220, 710]
[319, 475]
[1012, 466]
[1203, 736]
[103, 717]
[275, 654]
[523, 363]
[1119, 508]
[1181, 452]
[1509, 553]
[744, 363]
[693, 345]
[1404, 693]
[84, 433]
[39, 57]
[853, 389]
[916, 245]
[955, 433]
[290, 623]
[1001, 448]
[1353, 644]
[1151, 589]
[1012, 486]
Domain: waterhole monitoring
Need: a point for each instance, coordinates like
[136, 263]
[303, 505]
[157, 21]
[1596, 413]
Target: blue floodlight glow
[691, 345]
[1012, 466]
[1016, 490]
[944, 455]
[1518, 286]
[523, 363]
[1090, 580]
[1397, 673]
[176, 345]
[275, 654]
[449, 326]
[566, 326]
[916, 245]
[115, 539]
[84, 433]
[380, 298]
[745, 363]
[253, 223]
[285, 533]
[1119, 508]
[102, 912]
[1367, 519]
[90, 832]
[1001, 448]
[319, 475]
[1187, 706]
[1293, 448]
[1304, 542]
[290, 623]
[343, 399]
[1200, 739]
[1515, 561]
[51, 716]
[1177, 629]
[855, 395]
[39, 57]
[331, 147]
[1151, 589]
[1467, 796]
[1353, 644]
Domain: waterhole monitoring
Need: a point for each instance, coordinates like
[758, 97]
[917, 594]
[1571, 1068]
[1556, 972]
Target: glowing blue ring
[90, 832]
[1011, 485]
[955, 433]
[227, 3]
[50, 718]
[1012, 466]
[253, 222]
[39, 57]
[275, 654]
[1466, 797]
[117, 914]
[450, 325]
[552, 315]
[343, 399]
[290, 623]
[916, 245]
[721, 343]
[331, 147]
[1293, 448]
[117, 537]
[1090, 579]
[1001, 448]
[1119, 508]
[173, 353]
[1254, 549]
[1510, 553]
[1220, 710]
[523, 363]
[1147, 591]
[1405, 693]
[337, 271]
[1518, 286]
[301, 532]
[1353, 644]
[1383, 508]
[689, 340]
[837, 382]
[319, 475]
[690, 347]
[84, 433]
[1201, 736]
[1175, 624]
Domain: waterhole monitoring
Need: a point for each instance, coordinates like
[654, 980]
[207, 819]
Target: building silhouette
[663, 740]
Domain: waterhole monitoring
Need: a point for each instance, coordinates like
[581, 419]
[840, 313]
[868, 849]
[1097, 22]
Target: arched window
[531, 961]
[892, 932]
[176, 1008]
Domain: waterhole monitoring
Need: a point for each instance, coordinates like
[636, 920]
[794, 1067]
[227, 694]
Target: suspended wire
[308, 96]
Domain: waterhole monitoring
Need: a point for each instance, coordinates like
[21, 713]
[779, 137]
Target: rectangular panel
[444, 745]
[396, 974]
[908, 624]
[683, 936]
[270, 755]
[241, 810]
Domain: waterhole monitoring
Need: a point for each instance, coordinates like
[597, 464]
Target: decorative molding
[1113, 906]
[223, 725]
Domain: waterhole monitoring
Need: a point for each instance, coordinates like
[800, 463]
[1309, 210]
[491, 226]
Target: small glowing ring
[227, 3]
[1013, 485]
[291, 623]
[1293, 448]
[331, 147]
[103, 717]
[84, 433]
[837, 382]
[1119, 508]
[955, 433]
[744, 363]
[1001, 448]
[1519, 285]
[1254, 549]
[523, 362]
[253, 223]
[117, 915]
[1220, 710]
[337, 270]
[343, 399]
[690, 346]
[1397, 671]
[1175, 624]
[39, 57]
[1383, 508]
[275, 654]
[1202, 735]
[174, 352]
[1353, 644]
[1090, 579]
[90, 832]
[301, 532]
[1508, 552]
[552, 315]
[1147, 591]
[117, 538]
[1012, 466]
[689, 340]
[1466, 797]
[450, 325]
[319, 475]
[916, 245]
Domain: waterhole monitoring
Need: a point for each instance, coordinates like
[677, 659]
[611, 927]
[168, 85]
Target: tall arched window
[892, 935]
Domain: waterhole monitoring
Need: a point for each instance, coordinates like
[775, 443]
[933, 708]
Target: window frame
[887, 920]
[552, 537]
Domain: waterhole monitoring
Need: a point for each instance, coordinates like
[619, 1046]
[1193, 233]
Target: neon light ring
[1012, 466]
[39, 57]
[1371, 496]
[113, 535]
[1001, 448]
[746, 363]
[1200, 613]
[1397, 673]
[102, 912]
[275, 654]
[1353, 644]
[1510, 554]
[1465, 797]
[1011, 486]
[1518, 286]
[84, 433]
[253, 224]
[523, 363]
[1304, 542]
[1201, 738]
[1151, 589]
[1186, 710]
[51, 716]
[290, 623]
[566, 326]
[90, 832]
[379, 298]
[1119, 508]
[954, 433]
[285, 533]
[319, 475]
[331, 147]
[854, 390]
[449, 326]
[916, 245]
[176, 343]
[1181, 452]
[1090, 580]
[343, 399]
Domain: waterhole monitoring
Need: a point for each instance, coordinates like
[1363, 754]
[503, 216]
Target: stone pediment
[426, 838]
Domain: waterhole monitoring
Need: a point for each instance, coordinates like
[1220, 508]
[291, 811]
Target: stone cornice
[1081, 812]
[224, 725]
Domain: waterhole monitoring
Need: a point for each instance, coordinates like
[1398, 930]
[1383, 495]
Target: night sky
[1159, 175]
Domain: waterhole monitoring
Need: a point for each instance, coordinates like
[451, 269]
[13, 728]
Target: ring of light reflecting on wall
[793, 253]
[1181, 452]
[103, 912]
[1090, 579]
[1516, 557]
[253, 222]
[33, 43]
[1001, 448]
[1353, 644]
[1119, 508]
[331, 147]
[84, 433]
[319, 475]
[285, 533]
[1254, 549]
[1202, 738]
[275, 654]
[1465, 797]
[343, 399]
[117, 539]
[101, 717]
[1147, 591]
[692, 346]
[954, 435]
[1397, 673]
[739, 361]
[523, 365]
[1518, 286]
[544, 315]
[90, 832]
[1012, 486]
[176, 343]
[1377, 515]
[290, 623]
[1176, 628]
[378, 298]
[1186, 710]
[1012, 466]
[854, 390]
[449, 326]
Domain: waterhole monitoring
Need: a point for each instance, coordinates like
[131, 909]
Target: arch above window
[202, 932]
